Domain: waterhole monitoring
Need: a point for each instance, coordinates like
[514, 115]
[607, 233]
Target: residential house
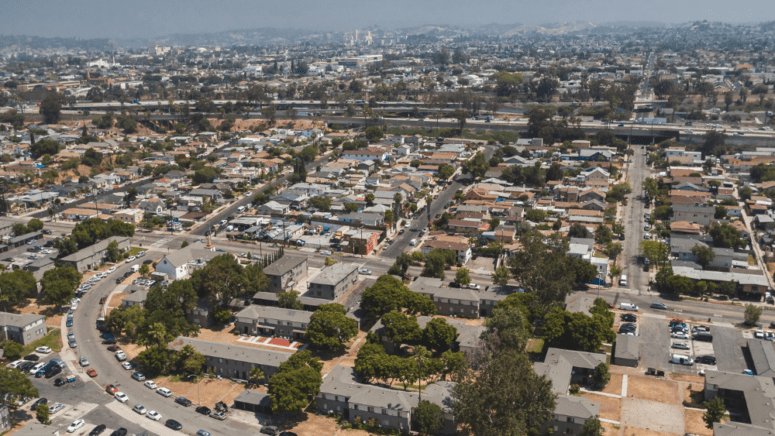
[391, 408]
[566, 367]
[273, 208]
[24, 329]
[182, 262]
[332, 282]
[699, 213]
[570, 415]
[459, 302]
[234, 361]
[285, 272]
[94, 255]
[626, 351]
[129, 216]
[462, 250]
[359, 241]
[258, 320]
[135, 298]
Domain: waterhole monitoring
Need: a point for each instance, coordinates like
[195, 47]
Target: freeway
[110, 371]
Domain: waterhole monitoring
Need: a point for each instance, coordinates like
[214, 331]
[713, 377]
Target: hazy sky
[151, 18]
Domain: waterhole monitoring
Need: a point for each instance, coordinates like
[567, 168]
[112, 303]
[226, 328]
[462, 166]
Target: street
[637, 172]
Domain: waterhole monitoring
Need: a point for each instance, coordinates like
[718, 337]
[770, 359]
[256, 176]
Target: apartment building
[93, 255]
[333, 281]
[234, 361]
[285, 272]
[275, 321]
[23, 329]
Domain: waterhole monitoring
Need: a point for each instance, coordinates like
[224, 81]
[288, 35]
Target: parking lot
[657, 347]
[20, 257]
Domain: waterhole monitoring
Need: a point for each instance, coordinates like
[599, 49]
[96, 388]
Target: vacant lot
[211, 391]
[614, 386]
[631, 431]
[652, 415]
[695, 424]
[316, 425]
[179, 389]
[609, 407]
[53, 319]
[645, 388]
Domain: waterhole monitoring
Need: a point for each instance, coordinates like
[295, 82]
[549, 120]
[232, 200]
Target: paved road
[109, 370]
[232, 208]
[96, 198]
[633, 222]
[401, 243]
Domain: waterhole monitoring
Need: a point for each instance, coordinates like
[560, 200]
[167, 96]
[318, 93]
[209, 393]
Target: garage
[254, 401]
[627, 351]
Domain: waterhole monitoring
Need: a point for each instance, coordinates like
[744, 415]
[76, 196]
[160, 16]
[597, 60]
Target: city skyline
[147, 19]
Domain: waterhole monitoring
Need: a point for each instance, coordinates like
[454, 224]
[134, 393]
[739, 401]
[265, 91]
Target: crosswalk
[161, 242]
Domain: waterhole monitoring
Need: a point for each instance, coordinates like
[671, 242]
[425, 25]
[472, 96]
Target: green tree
[389, 294]
[438, 335]
[328, 261]
[714, 411]
[578, 230]
[656, 252]
[613, 250]
[506, 398]
[705, 254]
[476, 166]
[222, 279]
[44, 147]
[446, 171]
[535, 215]
[501, 276]
[603, 234]
[592, 427]
[462, 277]
[144, 270]
[59, 284]
[41, 414]
[429, 417]
[752, 314]
[374, 134]
[401, 329]
[321, 203]
[255, 376]
[51, 107]
[726, 236]
[436, 262]
[12, 350]
[205, 175]
[15, 386]
[289, 300]
[601, 376]
[154, 361]
[329, 327]
[15, 288]
[295, 383]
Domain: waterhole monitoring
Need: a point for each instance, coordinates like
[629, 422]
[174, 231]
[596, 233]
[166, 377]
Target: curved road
[109, 369]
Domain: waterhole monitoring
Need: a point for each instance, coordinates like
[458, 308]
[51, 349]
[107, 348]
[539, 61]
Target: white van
[135, 268]
[628, 306]
[241, 209]
[623, 280]
[413, 242]
[681, 359]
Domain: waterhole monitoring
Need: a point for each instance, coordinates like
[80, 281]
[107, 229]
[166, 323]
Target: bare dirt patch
[614, 386]
[695, 424]
[115, 301]
[317, 425]
[693, 394]
[663, 391]
[610, 408]
[180, 389]
[226, 336]
[652, 415]
[132, 350]
[631, 431]
[693, 379]
[210, 391]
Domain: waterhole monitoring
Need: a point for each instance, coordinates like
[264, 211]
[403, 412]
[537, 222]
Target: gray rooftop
[194, 251]
[334, 274]
[759, 393]
[283, 265]
[16, 320]
[627, 347]
[91, 250]
[577, 407]
[221, 350]
[763, 357]
[730, 428]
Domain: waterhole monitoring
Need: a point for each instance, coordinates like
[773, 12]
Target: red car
[91, 372]
[111, 389]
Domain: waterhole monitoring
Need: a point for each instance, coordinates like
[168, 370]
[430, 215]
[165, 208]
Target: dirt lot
[132, 350]
[693, 397]
[663, 391]
[609, 407]
[631, 431]
[652, 415]
[695, 424]
[316, 425]
[115, 301]
[614, 386]
[212, 391]
[184, 389]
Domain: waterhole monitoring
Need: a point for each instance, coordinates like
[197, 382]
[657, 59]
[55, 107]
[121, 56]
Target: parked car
[59, 381]
[54, 408]
[183, 401]
[218, 415]
[270, 430]
[84, 361]
[43, 350]
[629, 317]
[78, 423]
[680, 345]
[111, 389]
[171, 423]
[658, 305]
[139, 408]
[150, 384]
[96, 431]
[164, 392]
[121, 397]
[203, 410]
[679, 335]
[139, 376]
[153, 415]
[38, 402]
[708, 360]
[120, 432]
[91, 372]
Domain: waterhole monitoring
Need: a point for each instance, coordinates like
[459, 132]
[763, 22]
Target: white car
[111, 270]
[120, 355]
[15, 364]
[325, 253]
[75, 425]
[121, 397]
[364, 271]
[129, 259]
[164, 392]
[150, 384]
[126, 365]
[154, 415]
[474, 286]
[679, 335]
[43, 350]
[54, 408]
[139, 409]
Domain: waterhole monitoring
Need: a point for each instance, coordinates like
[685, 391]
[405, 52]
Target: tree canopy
[330, 328]
[388, 294]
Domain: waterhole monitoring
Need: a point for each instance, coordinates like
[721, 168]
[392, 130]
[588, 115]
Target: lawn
[53, 339]
[535, 345]
[134, 250]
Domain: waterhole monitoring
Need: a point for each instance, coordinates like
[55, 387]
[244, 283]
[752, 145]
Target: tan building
[130, 216]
